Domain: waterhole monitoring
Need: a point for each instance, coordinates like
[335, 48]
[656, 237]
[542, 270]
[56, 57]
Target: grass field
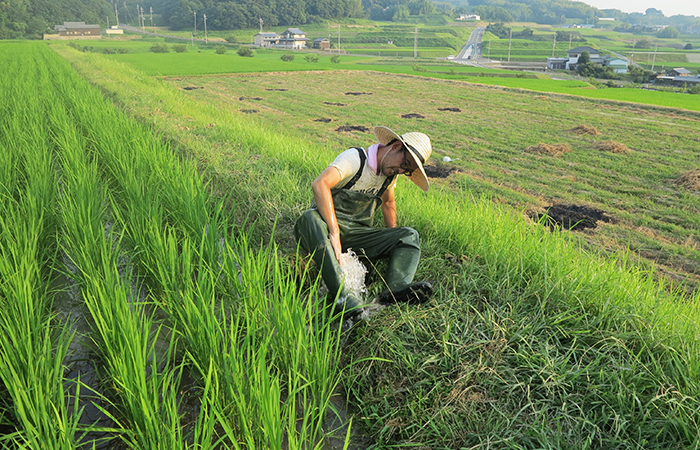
[533, 340]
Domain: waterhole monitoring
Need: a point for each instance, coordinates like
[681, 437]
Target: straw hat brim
[385, 135]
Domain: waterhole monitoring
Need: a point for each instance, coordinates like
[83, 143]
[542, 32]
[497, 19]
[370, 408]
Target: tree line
[33, 18]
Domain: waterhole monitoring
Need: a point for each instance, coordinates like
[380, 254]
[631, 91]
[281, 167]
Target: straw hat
[419, 148]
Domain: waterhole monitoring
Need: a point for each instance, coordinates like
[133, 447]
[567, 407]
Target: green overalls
[355, 211]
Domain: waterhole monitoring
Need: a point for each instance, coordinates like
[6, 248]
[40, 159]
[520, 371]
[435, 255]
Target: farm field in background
[528, 334]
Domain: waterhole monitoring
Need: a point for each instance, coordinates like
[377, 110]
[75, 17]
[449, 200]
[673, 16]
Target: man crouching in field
[346, 195]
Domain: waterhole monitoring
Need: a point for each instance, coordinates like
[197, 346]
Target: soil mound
[334, 104]
[611, 146]
[250, 98]
[249, 111]
[584, 129]
[358, 93]
[572, 217]
[439, 171]
[450, 109]
[324, 120]
[690, 180]
[272, 89]
[549, 149]
[412, 116]
[191, 88]
[353, 128]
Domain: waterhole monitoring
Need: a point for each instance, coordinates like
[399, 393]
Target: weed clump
[549, 149]
[611, 146]
[585, 129]
[690, 180]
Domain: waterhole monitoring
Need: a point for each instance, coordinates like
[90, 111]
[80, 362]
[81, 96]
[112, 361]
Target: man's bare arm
[389, 208]
[321, 188]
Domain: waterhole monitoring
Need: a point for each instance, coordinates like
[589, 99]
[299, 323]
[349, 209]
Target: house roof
[294, 31]
[269, 35]
[320, 39]
[680, 70]
[583, 49]
[76, 25]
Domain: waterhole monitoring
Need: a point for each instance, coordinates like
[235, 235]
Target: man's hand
[337, 247]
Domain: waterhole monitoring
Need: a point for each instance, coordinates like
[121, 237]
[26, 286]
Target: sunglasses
[406, 163]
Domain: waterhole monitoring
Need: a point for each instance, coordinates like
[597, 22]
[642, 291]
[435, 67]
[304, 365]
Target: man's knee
[409, 237]
[310, 230]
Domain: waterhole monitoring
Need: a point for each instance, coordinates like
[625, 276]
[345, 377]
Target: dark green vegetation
[532, 341]
[32, 18]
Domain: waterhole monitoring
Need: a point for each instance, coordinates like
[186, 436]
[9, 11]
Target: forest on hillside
[32, 18]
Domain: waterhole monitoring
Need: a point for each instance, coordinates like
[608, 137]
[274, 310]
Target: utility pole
[554, 46]
[116, 13]
[510, 39]
[151, 16]
[143, 20]
[489, 53]
[205, 29]
[195, 23]
[415, 43]
[570, 40]
[339, 39]
[654, 60]
[261, 24]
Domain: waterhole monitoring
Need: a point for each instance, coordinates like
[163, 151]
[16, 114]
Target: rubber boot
[399, 278]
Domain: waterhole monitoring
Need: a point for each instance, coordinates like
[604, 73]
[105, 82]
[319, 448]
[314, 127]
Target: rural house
[678, 77]
[322, 43]
[678, 72]
[469, 17]
[570, 62]
[293, 38]
[75, 30]
[266, 39]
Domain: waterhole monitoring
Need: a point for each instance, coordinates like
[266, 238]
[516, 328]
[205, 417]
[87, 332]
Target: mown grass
[532, 341]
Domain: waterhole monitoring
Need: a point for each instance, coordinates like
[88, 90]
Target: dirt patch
[249, 111]
[584, 129]
[358, 93]
[324, 120]
[611, 146]
[281, 90]
[353, 128]
[412, 116]
[250, 98]
[439, 171]
[192, 88]
[450, 109]
[549, 149]
[572, 217]
[334, 104]
[690, 180]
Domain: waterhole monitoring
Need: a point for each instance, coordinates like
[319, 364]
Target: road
[472, 49]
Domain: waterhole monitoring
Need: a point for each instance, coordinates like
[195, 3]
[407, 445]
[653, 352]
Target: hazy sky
[668, 7]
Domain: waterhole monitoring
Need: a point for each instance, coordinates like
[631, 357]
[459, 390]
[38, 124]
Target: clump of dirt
[439, 171]
[585, 129]
[358, 93]
[611, 146]
[412, 116]
[572, 217]
[191, 88]
[549, 149]
[250, 98]
[324, 120]
[249, 111]
[353, 128]
[334, 104]
[690, 180]
[272, 89]
[450, 109]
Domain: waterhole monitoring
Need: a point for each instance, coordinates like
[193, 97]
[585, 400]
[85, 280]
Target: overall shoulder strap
[358, 174]
[386, 184]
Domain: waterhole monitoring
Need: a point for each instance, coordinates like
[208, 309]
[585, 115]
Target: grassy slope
[531, 343]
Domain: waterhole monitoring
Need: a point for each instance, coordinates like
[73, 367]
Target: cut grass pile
[612, 147]
[549, 149]
[690, 180]
[531, 342]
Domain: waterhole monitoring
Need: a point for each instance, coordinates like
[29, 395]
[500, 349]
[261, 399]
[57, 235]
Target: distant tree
[220, 49]
[231, 39]
[498, 29]
[688, 46]
[335, 59]
[246, 52]
[495, 13]
[159, 48]
[653, 12]
[584, 58]
[639, 75]
[311, 58]
[288, 57]
[180, 48]
[669, 33]
[643, 43]
[401, 12]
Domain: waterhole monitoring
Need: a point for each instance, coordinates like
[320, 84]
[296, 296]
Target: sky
[668, 7]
